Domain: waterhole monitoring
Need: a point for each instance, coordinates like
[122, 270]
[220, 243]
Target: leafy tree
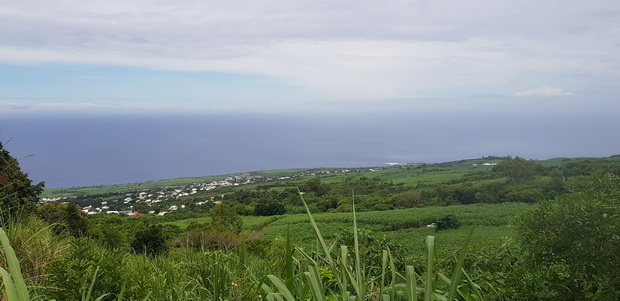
[112, 236]
[518, 170]
[243, 209]
[151, 241]
[556, 186]
[225, 218]
[195, 226]
[269, 207]
[326, 203]
[16, 190]
[315, 185]
[410, 199]
[572, 169]
[64, 218]
[575, 240]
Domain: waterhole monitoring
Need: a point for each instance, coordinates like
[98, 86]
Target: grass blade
[412, 294]
[328, 256]
[281, 288]
[456, 275]
[290, 276]
[384, 259]
[86, 293]
[315, 285]
[344, 292]
[359, 283]
[393, 283]
[14, 279]
[9, 287]
[430, 246]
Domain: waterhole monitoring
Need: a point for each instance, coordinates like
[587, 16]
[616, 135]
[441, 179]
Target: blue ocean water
[67, 150]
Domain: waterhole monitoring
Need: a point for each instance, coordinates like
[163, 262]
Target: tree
[574, 240]
[410, 199]
[269, 207]
[225, 218]
[64, 218]
[315, 185]
[517, 170]
[151, 241]
[16, 190]
[556, 186]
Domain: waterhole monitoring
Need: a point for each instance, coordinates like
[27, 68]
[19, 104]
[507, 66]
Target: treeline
[511, 180]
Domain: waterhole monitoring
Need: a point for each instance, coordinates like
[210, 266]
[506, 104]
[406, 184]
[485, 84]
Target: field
[410, 174]
[407, 227]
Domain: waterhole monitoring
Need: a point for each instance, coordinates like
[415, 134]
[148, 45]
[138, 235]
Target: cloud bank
[545, 91]
[339, 49]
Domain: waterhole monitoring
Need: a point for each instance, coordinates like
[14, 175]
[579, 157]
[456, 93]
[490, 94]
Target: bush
[150, 241]
[210, 239]
[224, 218]
[64, 218]
[572, 241]
[35, 245]
[268, 208]
[447, 222]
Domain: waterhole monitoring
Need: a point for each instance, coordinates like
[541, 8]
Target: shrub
[447, 222]
[224, 218]
[35, 245]
[268, 208]
[517, 170]
[64, 218]
[210, 239]
[150, 241]
[572, 241]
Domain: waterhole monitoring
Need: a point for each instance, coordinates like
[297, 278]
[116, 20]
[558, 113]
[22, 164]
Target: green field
[406, 226]
[409, 175]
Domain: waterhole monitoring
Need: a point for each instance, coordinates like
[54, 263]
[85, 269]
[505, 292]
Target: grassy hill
[395, 206]
[410, 173]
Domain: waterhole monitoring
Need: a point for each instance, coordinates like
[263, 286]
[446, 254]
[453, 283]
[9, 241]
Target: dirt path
[259, 231]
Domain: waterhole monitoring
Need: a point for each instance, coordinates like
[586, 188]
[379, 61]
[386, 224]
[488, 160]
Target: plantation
[483, 229]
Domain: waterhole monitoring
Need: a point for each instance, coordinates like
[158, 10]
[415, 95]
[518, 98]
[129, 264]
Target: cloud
[340, 49]
[52, 106]
[56, 105]
[545, 91]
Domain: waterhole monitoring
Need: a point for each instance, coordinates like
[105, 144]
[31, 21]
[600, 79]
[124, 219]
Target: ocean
[67, 150]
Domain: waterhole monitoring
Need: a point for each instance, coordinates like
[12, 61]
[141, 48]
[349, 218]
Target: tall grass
[35, 245]
[12, 280]
[329, 275]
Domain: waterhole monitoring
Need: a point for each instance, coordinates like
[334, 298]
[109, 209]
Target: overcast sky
[279, 55]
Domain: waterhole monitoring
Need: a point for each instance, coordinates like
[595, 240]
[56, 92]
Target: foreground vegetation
[517, 230]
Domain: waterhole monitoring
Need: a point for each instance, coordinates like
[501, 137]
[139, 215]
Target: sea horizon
[71, 150]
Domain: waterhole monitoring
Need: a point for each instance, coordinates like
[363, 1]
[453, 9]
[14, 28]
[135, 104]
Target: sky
[302, 56]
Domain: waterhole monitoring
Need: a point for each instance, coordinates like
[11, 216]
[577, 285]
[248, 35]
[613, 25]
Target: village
[164, 200]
